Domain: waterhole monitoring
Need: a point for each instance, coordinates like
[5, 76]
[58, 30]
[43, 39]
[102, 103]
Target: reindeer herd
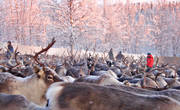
[86, 82]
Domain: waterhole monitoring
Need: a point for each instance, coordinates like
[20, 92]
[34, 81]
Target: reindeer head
[47, 74]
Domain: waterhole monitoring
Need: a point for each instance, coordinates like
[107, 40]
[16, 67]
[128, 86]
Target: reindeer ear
[38, 71]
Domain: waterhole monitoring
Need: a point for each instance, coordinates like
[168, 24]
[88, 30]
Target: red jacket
[150, 61]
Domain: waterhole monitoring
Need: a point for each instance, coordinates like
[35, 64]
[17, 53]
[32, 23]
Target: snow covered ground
[23, 49]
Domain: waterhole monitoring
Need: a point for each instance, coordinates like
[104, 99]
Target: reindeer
[34, 86]
[71, 68]
[17, 102]
[105, 78]
[82, 96]
[9, 66]
[169, 92]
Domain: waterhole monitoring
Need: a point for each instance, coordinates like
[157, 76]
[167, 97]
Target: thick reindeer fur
[172, 82]
[16, 102]
[161, 82]
[104, 79]
[67, 79]
[51, 94]
[109, 72]
[82, 96]
[148, 83]
[32, 87]
[169, 92]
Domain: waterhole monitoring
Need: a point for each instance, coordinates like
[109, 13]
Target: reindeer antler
[16, 53]
[86, 51]
[44, 50]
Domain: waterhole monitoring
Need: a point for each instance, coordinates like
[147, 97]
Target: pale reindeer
[32, 87]
[104, 78]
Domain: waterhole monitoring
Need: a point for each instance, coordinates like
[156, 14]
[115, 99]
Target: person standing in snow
[10, 49]
[150, 61]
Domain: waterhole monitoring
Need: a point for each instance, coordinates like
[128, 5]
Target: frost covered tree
[75, 21]
[22, 21]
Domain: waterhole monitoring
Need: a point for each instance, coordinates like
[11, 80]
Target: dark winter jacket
[11, 49]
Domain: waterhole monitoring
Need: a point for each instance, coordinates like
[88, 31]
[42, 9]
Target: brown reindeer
[81, 96]
[169, 92]
[17, 102]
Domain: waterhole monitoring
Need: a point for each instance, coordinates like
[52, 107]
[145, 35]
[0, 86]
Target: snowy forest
[135, 28]
[89, 55]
